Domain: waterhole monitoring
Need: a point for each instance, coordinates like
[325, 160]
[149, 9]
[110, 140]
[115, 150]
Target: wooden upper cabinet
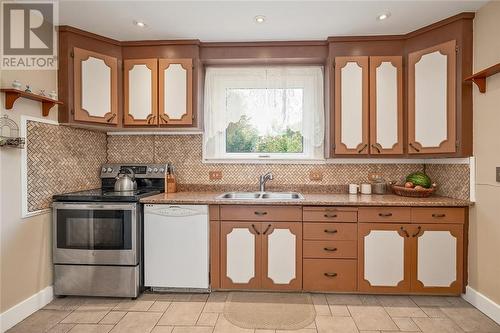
[432, 100]
[351, 105]
[175, 91]
[140, 91]
[386, 105]
[95, 87]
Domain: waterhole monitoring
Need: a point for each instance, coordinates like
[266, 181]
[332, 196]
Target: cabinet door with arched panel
[384, 257]
[432, 100]
[438, 261]
[282, 255]
[351, 106]
[240, 255]
[95, 87]
[386, 105]
[175, 90]
[140, 91]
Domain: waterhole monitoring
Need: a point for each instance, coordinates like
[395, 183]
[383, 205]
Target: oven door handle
[91, 206]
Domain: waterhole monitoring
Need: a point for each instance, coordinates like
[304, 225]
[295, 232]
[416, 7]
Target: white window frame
[314, 138]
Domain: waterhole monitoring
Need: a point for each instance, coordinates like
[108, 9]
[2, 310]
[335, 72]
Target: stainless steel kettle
[125, 182]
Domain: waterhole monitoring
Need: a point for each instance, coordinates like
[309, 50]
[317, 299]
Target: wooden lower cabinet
[261, 255]
[329, 275]
[419, 258]
[438, 254]
[384, 258]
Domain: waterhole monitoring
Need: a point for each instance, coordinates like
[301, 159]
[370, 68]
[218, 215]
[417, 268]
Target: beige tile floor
[201, 313]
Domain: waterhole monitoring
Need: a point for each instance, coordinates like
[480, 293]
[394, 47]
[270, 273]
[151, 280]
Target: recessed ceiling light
[260, 18]
[383, 16]
[140, 24]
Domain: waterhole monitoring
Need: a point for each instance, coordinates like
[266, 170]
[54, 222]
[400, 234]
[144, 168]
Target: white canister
[353, 188]
[366, 188]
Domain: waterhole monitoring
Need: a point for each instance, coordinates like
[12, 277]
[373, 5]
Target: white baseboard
[25, 308]
[482, 303]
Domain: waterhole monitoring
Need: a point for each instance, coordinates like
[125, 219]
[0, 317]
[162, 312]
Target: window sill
[263, 161]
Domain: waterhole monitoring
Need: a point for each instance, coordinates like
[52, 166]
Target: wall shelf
[11, 95]
[480, 77]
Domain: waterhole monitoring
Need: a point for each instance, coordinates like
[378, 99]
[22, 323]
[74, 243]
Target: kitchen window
[264, 113]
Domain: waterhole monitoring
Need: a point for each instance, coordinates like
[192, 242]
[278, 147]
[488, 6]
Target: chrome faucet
[263, 180]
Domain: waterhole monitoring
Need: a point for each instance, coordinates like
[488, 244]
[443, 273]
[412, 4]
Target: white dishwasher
[176, 247]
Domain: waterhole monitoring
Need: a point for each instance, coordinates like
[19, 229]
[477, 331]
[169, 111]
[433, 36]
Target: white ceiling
[234, 20]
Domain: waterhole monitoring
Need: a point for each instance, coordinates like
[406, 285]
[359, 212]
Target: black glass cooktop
[101, 195]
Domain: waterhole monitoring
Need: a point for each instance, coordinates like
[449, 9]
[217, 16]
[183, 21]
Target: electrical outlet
[498, 174]
[215, 175]
[315, 175]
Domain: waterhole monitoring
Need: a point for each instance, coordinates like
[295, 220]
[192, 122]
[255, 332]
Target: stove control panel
[140, 170]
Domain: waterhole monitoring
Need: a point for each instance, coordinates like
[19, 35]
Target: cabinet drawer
[329, 275]
[260, 213]
[330, 214]
[330, 249]
[330, 231]
[438, 215]
[384, 214]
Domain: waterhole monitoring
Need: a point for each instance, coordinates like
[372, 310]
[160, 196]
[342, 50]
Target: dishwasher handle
[176, 210]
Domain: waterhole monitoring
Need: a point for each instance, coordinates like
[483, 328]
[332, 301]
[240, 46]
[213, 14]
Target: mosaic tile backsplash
[61, 159]
[65, 159]
[185, 152]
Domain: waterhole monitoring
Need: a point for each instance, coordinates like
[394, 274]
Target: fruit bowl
[412, 192]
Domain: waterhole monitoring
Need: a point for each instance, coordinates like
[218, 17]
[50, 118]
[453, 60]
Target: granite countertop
[310, 199]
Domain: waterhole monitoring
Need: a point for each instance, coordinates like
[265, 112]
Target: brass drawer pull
[111, 118]
[334, 231]
[330, 215]
[255, 229]
[406, 232]
[330, 275]
[384, 214]
[330, 249]
[413, 146]
[438, 215]
[418, 232]
[260, 213]
[362, 148]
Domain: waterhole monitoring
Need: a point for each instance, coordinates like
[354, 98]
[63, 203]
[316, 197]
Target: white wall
[484, 238]
[25, 260]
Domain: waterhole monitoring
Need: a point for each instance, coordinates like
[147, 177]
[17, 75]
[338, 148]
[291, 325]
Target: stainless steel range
[98, 233]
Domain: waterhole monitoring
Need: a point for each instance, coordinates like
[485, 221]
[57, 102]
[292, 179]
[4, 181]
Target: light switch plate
[215, 175]
[498, 174]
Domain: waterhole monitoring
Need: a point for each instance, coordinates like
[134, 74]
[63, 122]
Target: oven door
[96, 233]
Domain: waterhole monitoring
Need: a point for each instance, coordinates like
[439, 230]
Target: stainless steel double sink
[258, 196]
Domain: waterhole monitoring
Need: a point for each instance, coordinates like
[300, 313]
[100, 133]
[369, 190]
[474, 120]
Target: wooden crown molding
[197, 42]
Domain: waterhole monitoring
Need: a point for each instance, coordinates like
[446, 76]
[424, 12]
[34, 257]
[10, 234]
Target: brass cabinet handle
[330, 215]
[377, 148]
[267, 229]
[384, 214]
[418, 232]
[413, 146]
[438, 215]
[405, 232]
[334, 231]
[362, 148]
[260, 213]
[330, 249]
[330, 275]
[111, 118]
[255, 229]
